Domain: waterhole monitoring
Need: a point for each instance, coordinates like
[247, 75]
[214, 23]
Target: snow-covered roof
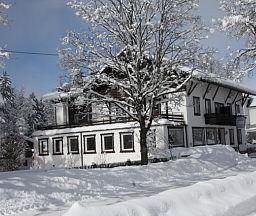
[62, 95]
[205, 77]
[216, 79]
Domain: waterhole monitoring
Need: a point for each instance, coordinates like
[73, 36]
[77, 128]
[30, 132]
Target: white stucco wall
[75, 160]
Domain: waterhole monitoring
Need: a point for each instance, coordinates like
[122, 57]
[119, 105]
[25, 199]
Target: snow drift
[214, 197]
[38, 190]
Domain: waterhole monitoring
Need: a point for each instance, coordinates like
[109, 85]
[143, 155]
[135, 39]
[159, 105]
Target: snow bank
[39, 190]
[214, 197]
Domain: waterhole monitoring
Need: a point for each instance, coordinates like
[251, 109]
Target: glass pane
[207, 106]
[196, 105]
[127, 141]
[108, 142]
[73, 145]
[58, 144]
[231, 136]
[211, 135]
[239, 136]
[198, 136]
[176, 136]
[44, 145]
[90, 143]
[221, 136]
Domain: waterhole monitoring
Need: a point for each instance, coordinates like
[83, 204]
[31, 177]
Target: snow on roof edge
[213, 78]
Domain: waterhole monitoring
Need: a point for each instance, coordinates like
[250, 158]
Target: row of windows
[89, 142]
[202, 136]
[208, 107]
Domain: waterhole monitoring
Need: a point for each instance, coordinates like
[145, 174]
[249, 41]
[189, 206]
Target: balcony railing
[220, 119]
[175, 117]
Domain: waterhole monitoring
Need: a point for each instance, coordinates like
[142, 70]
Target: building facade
[212, 112]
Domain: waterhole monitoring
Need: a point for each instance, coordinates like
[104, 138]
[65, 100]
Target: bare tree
[132, 52]
[240, 23]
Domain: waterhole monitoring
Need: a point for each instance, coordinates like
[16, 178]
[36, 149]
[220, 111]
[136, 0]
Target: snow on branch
[240, 22]
[132, 50]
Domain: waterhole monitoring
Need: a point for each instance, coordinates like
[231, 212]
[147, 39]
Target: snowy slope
[52, 192]
[214, 197]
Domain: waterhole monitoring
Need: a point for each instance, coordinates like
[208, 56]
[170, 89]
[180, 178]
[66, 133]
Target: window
[57, 146]
[43, 147]
[231, 137]
[176, 137]
[89, 144]
[127, 142]
[196, 103]
[208, 109]
[239, 136]
[221, 136]
[218, 107]
[73, 145]
[198, 136]
[211, 136]
[107, 143]
[237, 109]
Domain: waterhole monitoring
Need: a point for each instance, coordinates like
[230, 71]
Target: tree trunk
[143, 144]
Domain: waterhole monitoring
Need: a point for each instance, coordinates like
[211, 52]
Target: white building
[212, 113]
[251, 120]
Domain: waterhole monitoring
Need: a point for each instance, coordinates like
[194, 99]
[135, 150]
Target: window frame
[86, 151]
[199, 106]
[122, 149]
[43, 153]
[69, 147]
[103, 150]
[53, 146]
[202, 128]
[210, 106]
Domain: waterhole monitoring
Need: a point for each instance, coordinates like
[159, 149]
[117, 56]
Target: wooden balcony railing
[221, 119]
[175, 117]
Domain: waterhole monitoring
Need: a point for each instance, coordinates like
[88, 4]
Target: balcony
[220, 119]
[225, 119]
[175, 117]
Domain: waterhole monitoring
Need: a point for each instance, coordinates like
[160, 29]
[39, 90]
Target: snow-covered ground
[214, 180]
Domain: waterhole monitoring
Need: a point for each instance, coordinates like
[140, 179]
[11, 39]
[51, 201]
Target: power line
[30, 53]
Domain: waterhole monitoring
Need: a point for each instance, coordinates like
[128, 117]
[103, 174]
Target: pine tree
[12, 126]
[6, 89]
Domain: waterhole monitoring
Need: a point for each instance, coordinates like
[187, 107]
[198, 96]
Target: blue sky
[38, 25]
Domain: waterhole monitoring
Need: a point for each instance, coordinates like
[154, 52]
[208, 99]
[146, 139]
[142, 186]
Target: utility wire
[30, 53]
